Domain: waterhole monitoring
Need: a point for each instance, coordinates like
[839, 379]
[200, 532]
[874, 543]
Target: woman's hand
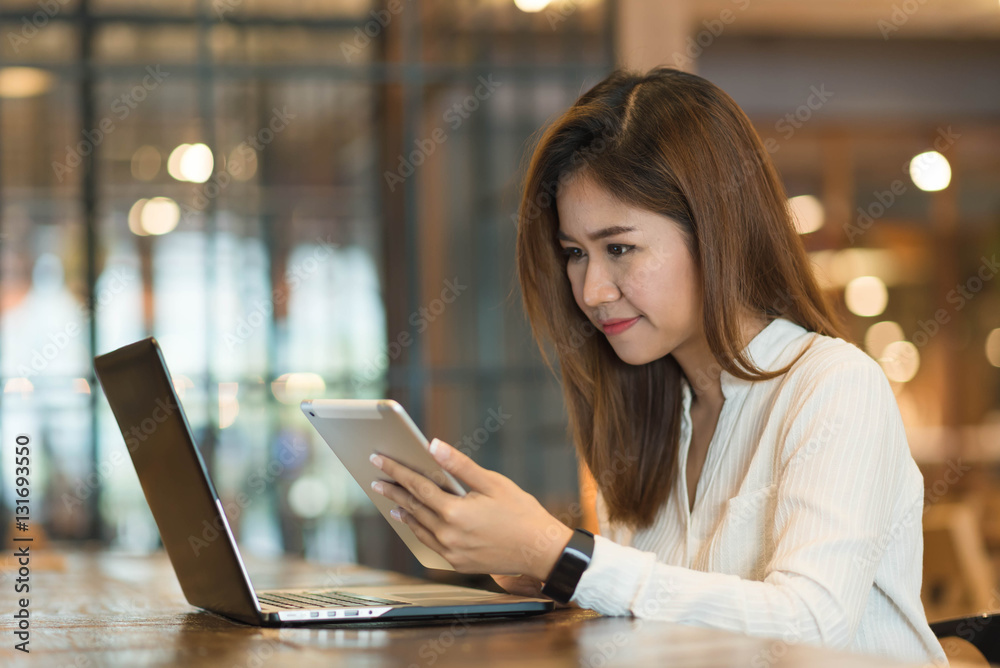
[519, 585]
[496, 528]
[525, 585]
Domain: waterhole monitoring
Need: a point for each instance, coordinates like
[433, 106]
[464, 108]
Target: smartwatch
[573, 561]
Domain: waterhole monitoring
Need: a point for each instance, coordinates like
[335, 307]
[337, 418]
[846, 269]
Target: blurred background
[314, 198]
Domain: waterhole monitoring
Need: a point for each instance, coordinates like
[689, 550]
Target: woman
[752, 470]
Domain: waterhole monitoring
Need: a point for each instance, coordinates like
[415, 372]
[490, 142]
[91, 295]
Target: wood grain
[104, 609]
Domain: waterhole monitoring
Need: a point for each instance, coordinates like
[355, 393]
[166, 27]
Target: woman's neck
[702, 370]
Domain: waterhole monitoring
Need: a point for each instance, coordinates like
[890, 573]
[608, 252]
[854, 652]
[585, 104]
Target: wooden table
[93, 609]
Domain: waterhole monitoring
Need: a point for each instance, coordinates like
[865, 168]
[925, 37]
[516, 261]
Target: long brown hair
[675, 144]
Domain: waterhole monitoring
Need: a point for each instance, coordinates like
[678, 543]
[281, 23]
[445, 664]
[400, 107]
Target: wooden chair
[958, 575]
[982, 631]
[959, 578]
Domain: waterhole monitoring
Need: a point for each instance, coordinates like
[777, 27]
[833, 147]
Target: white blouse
[806, 524]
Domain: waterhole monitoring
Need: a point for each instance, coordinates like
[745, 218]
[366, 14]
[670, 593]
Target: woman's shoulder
[820, 359]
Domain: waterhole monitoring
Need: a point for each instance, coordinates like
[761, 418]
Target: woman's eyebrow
[599, 234]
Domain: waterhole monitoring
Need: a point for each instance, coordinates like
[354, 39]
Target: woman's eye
[571, 252]
[619, 249]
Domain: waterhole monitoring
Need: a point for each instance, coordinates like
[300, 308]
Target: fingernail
[377, 486]
[435, 450]
[395, 514]
[376, 460]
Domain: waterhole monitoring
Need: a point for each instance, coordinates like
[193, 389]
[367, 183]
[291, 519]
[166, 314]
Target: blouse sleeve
[841, 476]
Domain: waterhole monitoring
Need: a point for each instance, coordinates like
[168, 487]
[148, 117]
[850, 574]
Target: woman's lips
[618, 326]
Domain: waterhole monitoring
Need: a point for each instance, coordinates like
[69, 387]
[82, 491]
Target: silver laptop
[197, 535]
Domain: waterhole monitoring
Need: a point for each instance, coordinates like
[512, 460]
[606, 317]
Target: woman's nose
[599, 286]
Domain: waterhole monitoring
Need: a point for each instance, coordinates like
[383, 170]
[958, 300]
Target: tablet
[356, 428]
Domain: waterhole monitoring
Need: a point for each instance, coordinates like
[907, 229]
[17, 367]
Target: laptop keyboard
[320, 599]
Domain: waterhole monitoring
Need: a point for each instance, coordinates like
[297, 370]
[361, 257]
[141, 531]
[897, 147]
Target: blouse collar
[763, 350]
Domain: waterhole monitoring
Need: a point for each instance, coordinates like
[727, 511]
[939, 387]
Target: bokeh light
[159, 215]
[930, 171]
[21, 82]
[181, 384]
[308, 497]
[242, 163]
[174, 162]
[135, 218]
[880, 335]
[197, 163]
[293, 388]
[866, 296]
[146, 162]
[531, 6]
[229, 405]
[807, 213]
[900, 360]
[993, 347]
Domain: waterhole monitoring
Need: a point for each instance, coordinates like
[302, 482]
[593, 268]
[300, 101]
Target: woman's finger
[462, 467]
[408, 502]
[519, 585]
[423, 534]
[421, 488]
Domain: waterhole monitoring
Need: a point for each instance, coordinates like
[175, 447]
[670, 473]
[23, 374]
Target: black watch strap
[570, 566]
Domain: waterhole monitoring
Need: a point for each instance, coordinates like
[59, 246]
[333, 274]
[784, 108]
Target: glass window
[224, 182]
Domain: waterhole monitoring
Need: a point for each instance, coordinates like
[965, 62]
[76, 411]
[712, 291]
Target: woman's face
[631, 272]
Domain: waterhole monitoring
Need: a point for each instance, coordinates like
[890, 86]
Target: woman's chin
[633, 355]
